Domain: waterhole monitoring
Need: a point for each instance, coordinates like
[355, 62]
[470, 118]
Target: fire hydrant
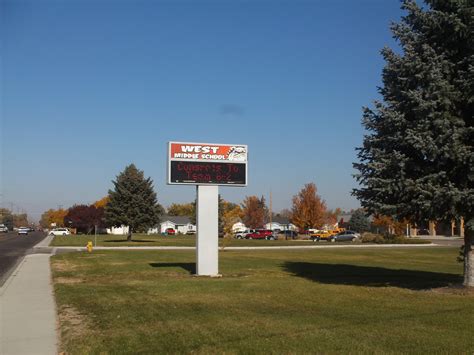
[89, 247]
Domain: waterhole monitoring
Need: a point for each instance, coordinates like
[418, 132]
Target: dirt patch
[68, 280]
[62, 266]
[455, 290]
[72, 323]
[117, 263]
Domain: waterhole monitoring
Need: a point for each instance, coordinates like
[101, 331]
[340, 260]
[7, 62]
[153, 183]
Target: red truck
[261, 234]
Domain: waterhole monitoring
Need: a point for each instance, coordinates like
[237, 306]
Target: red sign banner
[208, 152]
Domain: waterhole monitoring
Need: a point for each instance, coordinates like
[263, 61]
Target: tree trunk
[129, 236]
[468, 261]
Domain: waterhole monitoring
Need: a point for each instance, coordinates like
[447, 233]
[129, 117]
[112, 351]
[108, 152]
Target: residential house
[280, 223]
[181, 224]
[122, 230]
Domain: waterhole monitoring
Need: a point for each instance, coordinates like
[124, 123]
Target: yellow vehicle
[325, 234]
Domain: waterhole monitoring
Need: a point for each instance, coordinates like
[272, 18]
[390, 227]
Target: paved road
[447, 242]
[13, 248]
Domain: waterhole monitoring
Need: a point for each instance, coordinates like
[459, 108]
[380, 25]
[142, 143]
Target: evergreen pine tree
[417, 159]
[359, 221]
[133, 202]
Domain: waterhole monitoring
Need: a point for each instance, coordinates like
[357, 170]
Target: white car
[23, 230]
[60, 231]
[3, 228]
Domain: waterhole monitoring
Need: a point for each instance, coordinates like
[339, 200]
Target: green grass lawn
[160, 240]
[179, 240]
[285, 301]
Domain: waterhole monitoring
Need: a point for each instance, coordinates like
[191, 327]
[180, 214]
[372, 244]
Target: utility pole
[271, 210]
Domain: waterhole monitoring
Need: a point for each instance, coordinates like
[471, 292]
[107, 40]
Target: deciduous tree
[331, 216]
[20, 220]
[391, 225]
[254, 211]
[231, 215]
[6, 218]
[309, 210]
[84, 218]
[417, 159]
[102, 202]
[181, 209]
[53, 216]
[133, 202]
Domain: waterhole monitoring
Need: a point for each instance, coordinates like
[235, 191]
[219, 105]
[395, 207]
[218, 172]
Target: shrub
[390, 239]
[372, 238]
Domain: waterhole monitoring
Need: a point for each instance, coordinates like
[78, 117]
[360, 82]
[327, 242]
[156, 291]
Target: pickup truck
[325, 235]
[261, 234]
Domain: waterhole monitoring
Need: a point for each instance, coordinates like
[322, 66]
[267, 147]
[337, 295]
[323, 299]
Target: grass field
[178, 240]
[286, 301]
[160, 240]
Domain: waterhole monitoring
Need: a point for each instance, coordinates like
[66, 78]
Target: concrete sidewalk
[326, 246]
[28, 310]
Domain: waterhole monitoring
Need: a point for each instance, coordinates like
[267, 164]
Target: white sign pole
[207, 241]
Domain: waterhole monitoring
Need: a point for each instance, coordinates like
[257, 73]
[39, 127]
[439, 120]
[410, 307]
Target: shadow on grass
[370, 276]
[190, 267]
[126, 241]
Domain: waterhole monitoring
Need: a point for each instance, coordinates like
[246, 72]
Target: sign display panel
[207, 164]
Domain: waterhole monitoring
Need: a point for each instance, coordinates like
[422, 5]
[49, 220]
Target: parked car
[3, 228]
[23, 230]
[345, 237]
[423, 231]
[261, 234]
[321, 235]
[350, 232]
[170, 231]
[243, 234]
[60, 231]
[325, 234]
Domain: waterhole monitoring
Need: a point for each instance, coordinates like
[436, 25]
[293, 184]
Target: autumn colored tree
[53, 216]
[224, 207]
[331, 216]
[391, 225]
[231, 215]
[309, 210]
[181, 209]
[254, 211]
[84, 218]
[102, 202]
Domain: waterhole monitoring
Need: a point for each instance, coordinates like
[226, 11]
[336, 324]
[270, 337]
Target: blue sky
[91, 86]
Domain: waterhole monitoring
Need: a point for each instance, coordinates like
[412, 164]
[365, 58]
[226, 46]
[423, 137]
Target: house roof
[176, 219]
[280, 220]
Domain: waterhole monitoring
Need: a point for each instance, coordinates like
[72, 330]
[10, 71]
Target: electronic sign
[207, 164]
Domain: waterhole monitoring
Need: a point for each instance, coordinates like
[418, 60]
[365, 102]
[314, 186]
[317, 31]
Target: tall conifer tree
[133, 202]
[417, 159]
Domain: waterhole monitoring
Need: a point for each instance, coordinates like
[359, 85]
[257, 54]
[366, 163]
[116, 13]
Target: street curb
[8, 278]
